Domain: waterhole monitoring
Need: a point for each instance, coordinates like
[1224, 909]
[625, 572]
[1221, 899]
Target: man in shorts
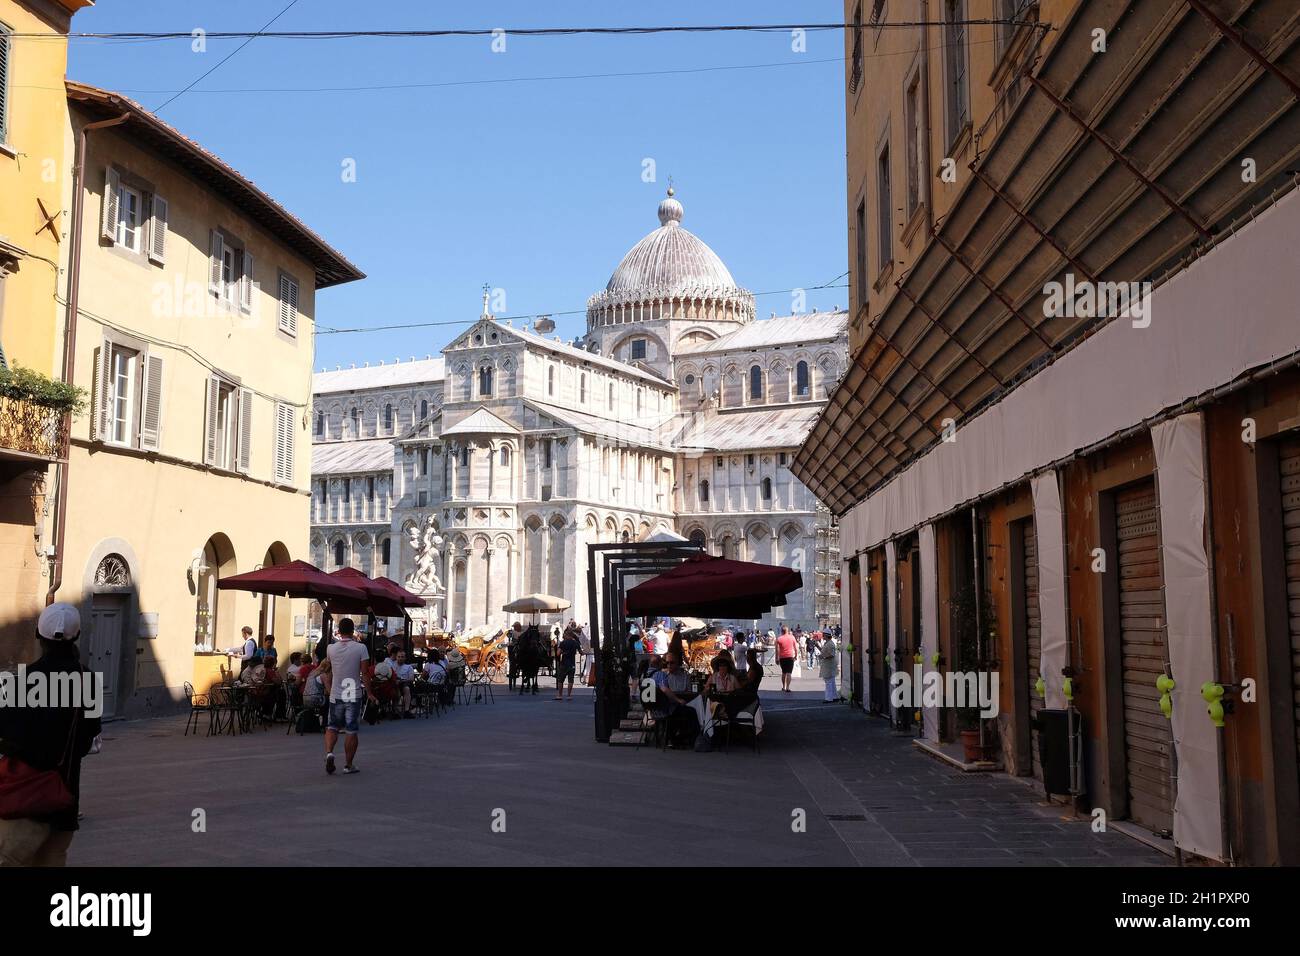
[787, 651]
[349, 681]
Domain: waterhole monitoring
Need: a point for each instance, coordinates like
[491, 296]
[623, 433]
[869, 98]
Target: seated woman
[316, 690]
[723, 679]
[745, 693]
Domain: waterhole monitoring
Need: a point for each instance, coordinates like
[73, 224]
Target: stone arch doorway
[214, 610]
[275, 615]
[109, 608]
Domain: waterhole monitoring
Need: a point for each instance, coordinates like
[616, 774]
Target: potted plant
[970, 618]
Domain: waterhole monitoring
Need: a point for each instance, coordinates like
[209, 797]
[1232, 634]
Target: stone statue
[426, 542]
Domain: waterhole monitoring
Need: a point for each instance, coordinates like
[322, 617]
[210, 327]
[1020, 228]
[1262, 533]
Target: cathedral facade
[676, 412]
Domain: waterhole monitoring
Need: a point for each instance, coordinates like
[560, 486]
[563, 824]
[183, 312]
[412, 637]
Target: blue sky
[535, 187]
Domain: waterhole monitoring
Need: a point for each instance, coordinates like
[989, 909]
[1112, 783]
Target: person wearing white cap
[37, 740]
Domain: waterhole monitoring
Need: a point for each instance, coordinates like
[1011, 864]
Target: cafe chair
[199, 705]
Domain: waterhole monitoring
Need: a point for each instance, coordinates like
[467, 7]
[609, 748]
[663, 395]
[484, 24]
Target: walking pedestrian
[787, 651]
[41, 739]
[349, 680]
[568, 663]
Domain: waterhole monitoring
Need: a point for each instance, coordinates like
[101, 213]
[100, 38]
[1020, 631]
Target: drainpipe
[70, 339]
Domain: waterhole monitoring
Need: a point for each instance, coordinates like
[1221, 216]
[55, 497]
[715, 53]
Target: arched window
[424, 408]
[388, 418]
[485, 381]
[582, 388]
[386, 552]
[338, 554]
[755, 382]
[802, 383]
[505, 455]
[767, 489]
[424, 462]
[704, 492]
[356, 422]
[697, 537]
[320, 423]
[464, 456]
[347, 490]
[550, 380]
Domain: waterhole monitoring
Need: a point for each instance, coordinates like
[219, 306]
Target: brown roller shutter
[1148, 740]
[1033, 635]
[1289, 465]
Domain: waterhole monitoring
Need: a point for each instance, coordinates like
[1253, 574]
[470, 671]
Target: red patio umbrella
[403, 596]
[297, 579]
[376, 599]
[707, 586]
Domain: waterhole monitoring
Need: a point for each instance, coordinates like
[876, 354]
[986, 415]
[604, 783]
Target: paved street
[429, 790]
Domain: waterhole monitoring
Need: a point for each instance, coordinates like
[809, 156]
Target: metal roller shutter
[1033, 636]
[1148, 740]
[1289, 465]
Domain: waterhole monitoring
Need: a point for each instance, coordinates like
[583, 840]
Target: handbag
[26, 792]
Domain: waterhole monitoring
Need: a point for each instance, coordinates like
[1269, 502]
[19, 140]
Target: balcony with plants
[35, 411]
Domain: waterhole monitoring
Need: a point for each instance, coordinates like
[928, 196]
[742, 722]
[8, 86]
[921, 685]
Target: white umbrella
[537, 604]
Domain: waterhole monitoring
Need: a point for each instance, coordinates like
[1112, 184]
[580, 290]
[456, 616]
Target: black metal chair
[200, 704]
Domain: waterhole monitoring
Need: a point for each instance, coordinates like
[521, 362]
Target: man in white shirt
[348, 681]
[660, 640]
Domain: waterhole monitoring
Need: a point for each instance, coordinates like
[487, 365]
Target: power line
[322, 330]
[127, 35]
[159, 109]
[510, 79]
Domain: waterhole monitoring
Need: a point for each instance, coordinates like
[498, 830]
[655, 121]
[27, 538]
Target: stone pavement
[430, 791]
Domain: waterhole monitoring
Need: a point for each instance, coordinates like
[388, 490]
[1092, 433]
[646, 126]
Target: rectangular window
[228, 425]
[546, 453]
[6, 50]
[285, 437]
[781, 458]
[423, 498]
[288, 304]
[123, 368]
[638, 348]
[370, 489]
[855, 75]
[130, 208]
[912, 117]
[958, 98]
[860, 257]
[717, 462]
[884, 209]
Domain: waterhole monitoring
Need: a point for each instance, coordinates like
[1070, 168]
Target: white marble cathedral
[677, 411]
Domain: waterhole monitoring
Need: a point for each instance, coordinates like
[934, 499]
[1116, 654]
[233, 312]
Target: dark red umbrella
[707, 586]
[376, 599]
[297, 579]
[403, 596]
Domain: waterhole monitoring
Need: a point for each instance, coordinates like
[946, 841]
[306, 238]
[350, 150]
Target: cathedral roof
[480, 422]
[421, 372]
[786, 330]
[671, 264]
[350, 457]
[670, 260]
[751, 429]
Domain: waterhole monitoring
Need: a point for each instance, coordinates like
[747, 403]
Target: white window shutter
[246, 283]
[151, 404]
[216, 250]
[102, 407]
[245, 432]
[210, 422]
[108, 226]
[158, 230]
[284, 443]
[288, 305]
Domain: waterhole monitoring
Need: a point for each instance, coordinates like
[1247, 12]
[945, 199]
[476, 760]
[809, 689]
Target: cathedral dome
[671, 273]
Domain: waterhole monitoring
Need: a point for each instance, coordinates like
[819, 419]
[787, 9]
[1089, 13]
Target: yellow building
[195, 297]
[33, 170]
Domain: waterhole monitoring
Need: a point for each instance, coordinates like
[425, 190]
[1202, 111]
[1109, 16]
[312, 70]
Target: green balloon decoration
[918, 658]
[1212, 694]
[1165, 684]
[1040, 686]
[934, 659]
[1067, 686]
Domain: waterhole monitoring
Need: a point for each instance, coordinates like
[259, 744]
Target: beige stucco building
[194, 337]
